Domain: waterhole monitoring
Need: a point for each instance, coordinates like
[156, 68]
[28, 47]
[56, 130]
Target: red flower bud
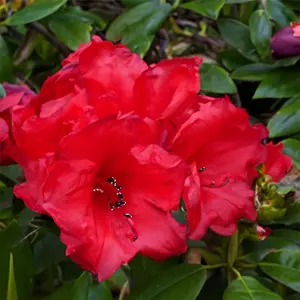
[286, 42]
[262, 233]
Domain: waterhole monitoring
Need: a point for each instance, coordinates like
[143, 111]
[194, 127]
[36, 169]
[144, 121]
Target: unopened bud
[286, 42]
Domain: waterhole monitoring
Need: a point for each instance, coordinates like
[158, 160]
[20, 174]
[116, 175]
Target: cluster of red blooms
[110, 146]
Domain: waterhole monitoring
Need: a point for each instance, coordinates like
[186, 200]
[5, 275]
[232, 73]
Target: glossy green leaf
[100, 291]
[6, 66]
[216, 80]
[137, 26]
[48, 251]
[252, 72]
[181, 282]
[259, 249]
[287, 119]
[286, 62]
[279, 84]
[279, 12]
[71, 32]
[35, 11]
[12, 242]
[261, 32]
[292, 148]
[231, 59]
[144, 270]
[284, 266]
[210, 9]
[12, 287]
[237, 35]
[75, 13]
[80, 290]
[248, 288]
[118, 279]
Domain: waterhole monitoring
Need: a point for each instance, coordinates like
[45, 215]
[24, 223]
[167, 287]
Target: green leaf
[80, 290]
[248, 288]
[216, 80]
[100, 291]
[144, 270]
[292, 148]
[12, 242]
[6, 65]
[279, 12]
[2, 90]
[284, 266]
[237, 35]
[12, 172]
[75, 13]
[279, 84]
[12, 287]
[130, 3]
[181, 282]
[71, 32]
[260, 249]
[48, 251]
[287, 119]
[210, 9]
[286, 62]
[292, 216]
[137, 26]
[35, 11]
[232, 59]
[261, 32]
[237, 1]
[252, 72]
[62, 293]
[288, 234]
[6, 196]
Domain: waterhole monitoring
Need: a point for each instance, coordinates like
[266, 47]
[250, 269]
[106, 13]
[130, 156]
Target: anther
[202, 169]
[127, 215]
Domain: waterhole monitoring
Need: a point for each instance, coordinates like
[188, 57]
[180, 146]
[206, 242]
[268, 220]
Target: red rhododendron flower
[111, 192]
[220, 145]
[277, 164]
[262, 233]
[16, 96]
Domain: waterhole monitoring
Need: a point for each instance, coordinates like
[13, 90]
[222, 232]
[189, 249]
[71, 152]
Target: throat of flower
[112, 191]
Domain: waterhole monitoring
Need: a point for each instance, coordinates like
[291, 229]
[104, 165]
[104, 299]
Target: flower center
[115, 197]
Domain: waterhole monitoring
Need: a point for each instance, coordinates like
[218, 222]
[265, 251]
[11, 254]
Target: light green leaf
[6, 66]
[100, 291]
[237, 1]
[261, 32]
[35, 11]
[292, 148]
[284, 266]
[12, 287]
[216, 80]
[287, 120]
[237, 35]
[184, 281]
[210, 9]
[248, 288]
[137, 26]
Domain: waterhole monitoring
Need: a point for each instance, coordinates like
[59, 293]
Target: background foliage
[233, 37]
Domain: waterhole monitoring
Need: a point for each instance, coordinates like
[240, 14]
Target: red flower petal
[277, 164]
[161, 90]
[218, 208]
